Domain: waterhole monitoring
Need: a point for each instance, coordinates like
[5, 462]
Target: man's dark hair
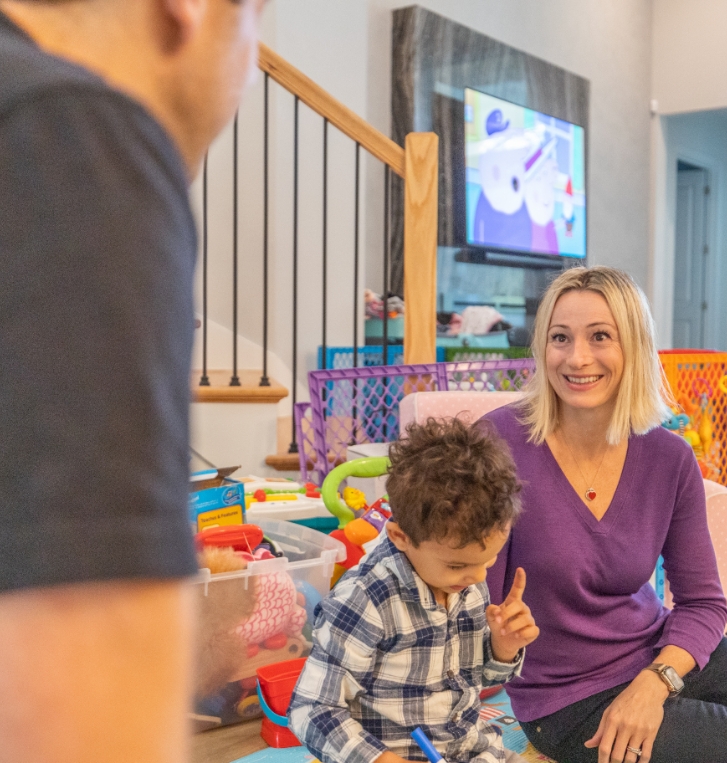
[449, 480]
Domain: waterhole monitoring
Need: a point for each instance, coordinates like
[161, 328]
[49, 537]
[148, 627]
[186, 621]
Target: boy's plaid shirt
[387, 658]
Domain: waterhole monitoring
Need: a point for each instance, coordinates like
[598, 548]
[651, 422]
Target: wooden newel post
[420, 247]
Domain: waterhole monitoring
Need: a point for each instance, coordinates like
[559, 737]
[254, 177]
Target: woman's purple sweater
[588, 580]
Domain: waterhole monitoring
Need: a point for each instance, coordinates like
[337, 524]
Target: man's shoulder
[36, 85]
[26, 71]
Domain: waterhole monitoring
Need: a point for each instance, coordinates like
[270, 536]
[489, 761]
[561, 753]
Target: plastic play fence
[368, 355]
[698, 380]
[350, 406]
[305, 438]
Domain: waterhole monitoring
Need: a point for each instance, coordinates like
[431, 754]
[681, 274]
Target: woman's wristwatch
[669, 676]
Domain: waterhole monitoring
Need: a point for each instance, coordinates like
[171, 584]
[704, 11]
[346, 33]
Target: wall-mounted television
[525, 180]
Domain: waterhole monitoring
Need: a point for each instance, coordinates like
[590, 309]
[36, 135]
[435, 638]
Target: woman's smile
[582, 381]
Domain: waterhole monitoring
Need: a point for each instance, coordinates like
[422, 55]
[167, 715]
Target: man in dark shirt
[106, 110]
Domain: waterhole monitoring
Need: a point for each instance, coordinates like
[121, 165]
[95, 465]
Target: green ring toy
[360, 467]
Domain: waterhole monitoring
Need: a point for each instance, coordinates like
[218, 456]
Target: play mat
[496, 709]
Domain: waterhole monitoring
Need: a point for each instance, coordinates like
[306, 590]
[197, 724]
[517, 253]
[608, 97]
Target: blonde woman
[614, 675]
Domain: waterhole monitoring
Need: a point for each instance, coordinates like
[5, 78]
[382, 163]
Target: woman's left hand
[631, 720]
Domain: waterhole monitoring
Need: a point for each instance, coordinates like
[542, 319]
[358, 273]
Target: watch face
[673, 677]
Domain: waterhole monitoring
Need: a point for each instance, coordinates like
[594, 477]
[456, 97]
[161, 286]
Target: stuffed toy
[226, 605]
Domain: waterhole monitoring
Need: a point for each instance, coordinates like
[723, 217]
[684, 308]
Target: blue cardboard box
[212, 490]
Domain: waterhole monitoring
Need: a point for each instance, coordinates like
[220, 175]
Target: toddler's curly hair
[451, 481]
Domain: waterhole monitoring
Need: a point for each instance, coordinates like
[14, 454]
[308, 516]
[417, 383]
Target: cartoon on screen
[525, 179]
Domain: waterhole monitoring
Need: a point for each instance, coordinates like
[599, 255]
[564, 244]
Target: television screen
[525, 179]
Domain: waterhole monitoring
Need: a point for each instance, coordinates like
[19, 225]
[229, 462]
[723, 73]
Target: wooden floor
[227, 743]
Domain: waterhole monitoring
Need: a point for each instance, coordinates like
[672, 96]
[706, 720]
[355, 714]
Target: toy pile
[374, 305]
[369, 521]
[476, 320]
[246, 622]
[218, 499]
[359, 523]
[261, 578]
[693, 419]
[260, 581]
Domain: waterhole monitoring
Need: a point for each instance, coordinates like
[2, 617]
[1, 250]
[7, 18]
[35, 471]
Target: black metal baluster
[324, 344]
[387, 183]
[264, 380]
[235, 379]
[325, 242]
[355, 289]
[204, 381]
[293, 444]
[355, 258]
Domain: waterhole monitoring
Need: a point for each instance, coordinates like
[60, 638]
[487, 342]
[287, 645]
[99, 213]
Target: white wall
[700, 139]
[232, 434]
[689, 55]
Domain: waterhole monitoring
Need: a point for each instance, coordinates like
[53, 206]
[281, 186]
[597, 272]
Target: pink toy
[277, 610]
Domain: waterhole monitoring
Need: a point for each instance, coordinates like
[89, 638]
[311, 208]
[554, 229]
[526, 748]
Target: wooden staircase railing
[417, 163]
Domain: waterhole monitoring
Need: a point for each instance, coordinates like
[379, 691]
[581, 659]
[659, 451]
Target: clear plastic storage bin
[258, 616]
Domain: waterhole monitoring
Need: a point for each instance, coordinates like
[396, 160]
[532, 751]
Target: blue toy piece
[677, 422]
[312, 598]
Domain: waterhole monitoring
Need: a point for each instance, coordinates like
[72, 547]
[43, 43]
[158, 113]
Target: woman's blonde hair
[643, 394]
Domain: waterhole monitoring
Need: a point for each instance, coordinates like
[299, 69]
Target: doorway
[690, 250]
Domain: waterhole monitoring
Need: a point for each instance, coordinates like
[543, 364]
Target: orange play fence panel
[698, 380]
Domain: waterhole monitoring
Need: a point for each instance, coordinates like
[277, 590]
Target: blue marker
[427, 747]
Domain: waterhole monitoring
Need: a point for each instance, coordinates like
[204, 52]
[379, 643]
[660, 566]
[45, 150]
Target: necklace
[590, 493]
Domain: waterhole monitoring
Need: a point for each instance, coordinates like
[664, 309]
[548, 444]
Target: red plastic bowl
[238, 537]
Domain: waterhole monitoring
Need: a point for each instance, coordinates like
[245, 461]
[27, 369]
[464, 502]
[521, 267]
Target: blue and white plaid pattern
[387, 658]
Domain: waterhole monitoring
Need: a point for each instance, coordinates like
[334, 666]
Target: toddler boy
[408, 637]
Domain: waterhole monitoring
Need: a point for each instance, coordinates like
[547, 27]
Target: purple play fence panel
[307, 454]
[489, 375]
[358, 405]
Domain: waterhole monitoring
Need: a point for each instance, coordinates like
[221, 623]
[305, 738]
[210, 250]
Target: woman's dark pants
[694, 729]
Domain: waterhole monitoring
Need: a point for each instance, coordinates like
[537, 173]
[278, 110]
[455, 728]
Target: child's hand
[391, 757]
[511, 625]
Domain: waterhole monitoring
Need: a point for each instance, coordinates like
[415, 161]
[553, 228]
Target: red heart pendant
[590, 494]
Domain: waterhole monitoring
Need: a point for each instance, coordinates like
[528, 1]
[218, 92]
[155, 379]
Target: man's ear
[185, 16]
[397, 536]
